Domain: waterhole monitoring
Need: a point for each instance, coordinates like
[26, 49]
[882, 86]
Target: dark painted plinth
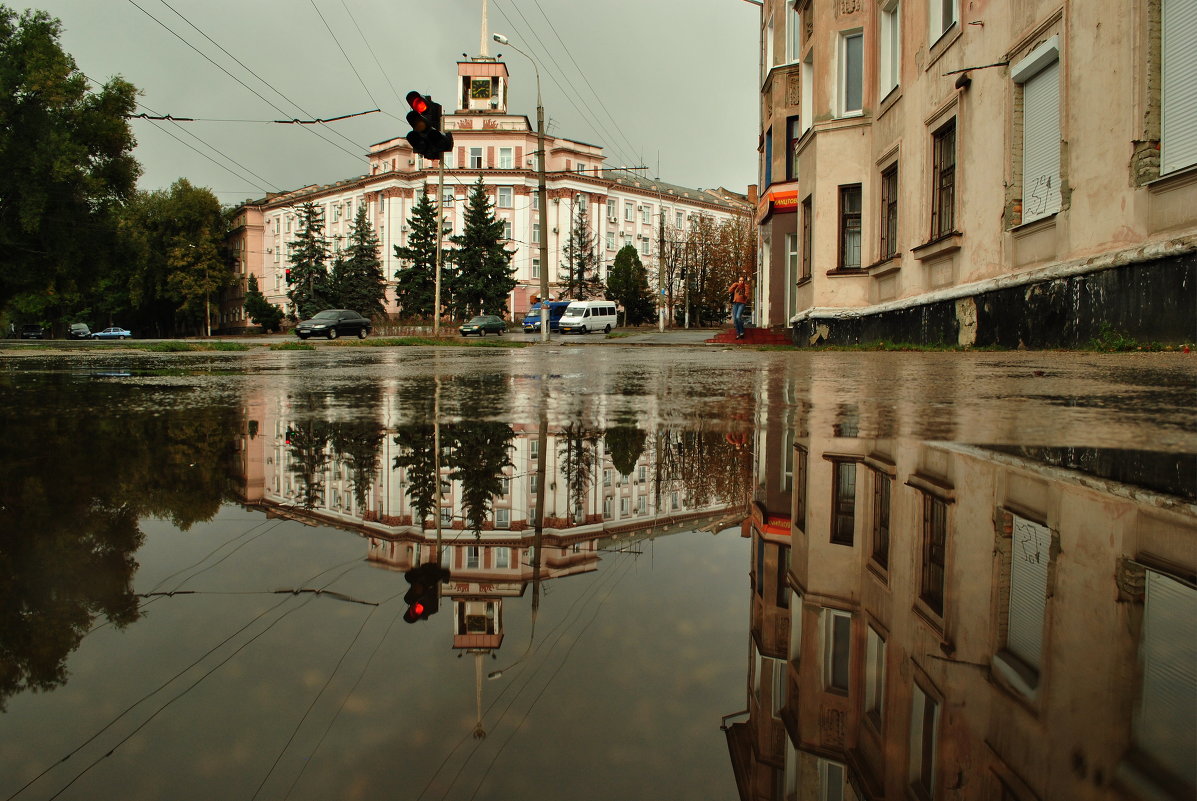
[1149, 302]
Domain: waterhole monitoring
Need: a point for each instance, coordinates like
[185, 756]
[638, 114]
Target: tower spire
[484, 41]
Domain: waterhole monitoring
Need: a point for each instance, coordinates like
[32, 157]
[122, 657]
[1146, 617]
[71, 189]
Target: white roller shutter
[1041, 143]
[1029, 556]
[1178, 140]
[1165, 728]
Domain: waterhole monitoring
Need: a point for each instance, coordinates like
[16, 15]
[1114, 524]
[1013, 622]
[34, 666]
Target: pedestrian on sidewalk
[739, 296]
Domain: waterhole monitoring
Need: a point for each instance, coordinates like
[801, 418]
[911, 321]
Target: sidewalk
[645, 336]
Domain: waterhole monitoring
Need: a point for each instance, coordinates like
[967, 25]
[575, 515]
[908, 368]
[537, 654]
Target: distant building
[978, 173]
[623, 207]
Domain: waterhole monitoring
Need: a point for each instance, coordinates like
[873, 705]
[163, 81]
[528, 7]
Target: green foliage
[65, 166]
[581, 265]
[625, 444]
[292, 346]
[260, 311]
[485, 276]
[311, 287]
[415, 282]
[418, 456]
[357, 280]
[176, 346]
[1110, 340]
[479, 455]
[453, 342]
[627, 285]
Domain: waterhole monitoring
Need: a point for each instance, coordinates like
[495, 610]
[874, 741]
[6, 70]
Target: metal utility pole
[440, 225]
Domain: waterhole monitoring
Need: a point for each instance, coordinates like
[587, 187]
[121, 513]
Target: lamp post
[542, 201]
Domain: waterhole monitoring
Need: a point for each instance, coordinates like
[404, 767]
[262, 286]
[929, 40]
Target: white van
[583, 316]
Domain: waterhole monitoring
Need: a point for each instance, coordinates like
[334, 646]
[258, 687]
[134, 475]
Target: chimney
[752, 196]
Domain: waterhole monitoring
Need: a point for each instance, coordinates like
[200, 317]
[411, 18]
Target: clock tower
[482, 81]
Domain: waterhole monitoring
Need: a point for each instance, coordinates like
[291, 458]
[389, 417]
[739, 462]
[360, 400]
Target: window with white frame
[793, 33]
[534, 448]
[875, 676]
[288, 225]
[623, 506]
[767, 50]
[851, 77]
[796, 629]
[641, 505]
[1165, 720]
[580, 167]
[611, 213]
[610, 240]
[507, 229]
[536, 268]
[535, 233]
[644, 246]
[583, 203]
[606, 476]
[792, 277]
[503, 557]
[506, 158]
[607, 507]
[446, 515]
[447, 198]
[837, 649]
[924, 740]
[1038, 75]
[472, 552]
[831, 780]
[1178, 104]
[1026, 610]
[679, 220]
[807, 83]
[629, 210]
[889, 56]
[502, 518]
[503, 197]
[475, 158]
[646, 214]
[642, 473]
[942, 15]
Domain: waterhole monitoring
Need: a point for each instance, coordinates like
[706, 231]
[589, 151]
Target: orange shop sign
[782, 202]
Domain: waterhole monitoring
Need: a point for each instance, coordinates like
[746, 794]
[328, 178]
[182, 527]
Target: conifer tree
[310, 282]
[261, 311]
[415, 281]
[627, 285]
[484, 276]
[580, 263]
[357, 271]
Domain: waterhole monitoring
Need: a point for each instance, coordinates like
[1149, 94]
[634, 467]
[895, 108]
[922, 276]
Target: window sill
[945, 41]
[846, 271]
[803, 281]
[1034, 226]
[935, 487]
[941, 246]
[890, 264]
[1016, 674]
[933, 619]
[889, 101]
[880, 573]
[1173, 180]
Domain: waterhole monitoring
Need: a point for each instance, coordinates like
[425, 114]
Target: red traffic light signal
[425, 136]
[288, 275]
[423, 597]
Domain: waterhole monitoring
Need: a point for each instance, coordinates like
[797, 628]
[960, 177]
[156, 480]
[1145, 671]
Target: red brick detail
[490, 157]
[523, 190]
[461, 162]
[394, 191]
[519, 157]
[465, 123]
[568, 165]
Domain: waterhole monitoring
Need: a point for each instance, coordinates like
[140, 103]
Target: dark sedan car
[79, 331]
[33, 331]
[484, 324]
[333, 323]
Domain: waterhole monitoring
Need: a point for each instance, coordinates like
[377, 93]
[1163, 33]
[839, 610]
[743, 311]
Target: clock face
[480, 88]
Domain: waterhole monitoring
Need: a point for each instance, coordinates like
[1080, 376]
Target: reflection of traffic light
[290, 434]
[426, 137]
[289, 278]
[423, 597]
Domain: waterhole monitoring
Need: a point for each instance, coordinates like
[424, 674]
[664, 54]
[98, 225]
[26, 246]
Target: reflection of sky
[634, 664]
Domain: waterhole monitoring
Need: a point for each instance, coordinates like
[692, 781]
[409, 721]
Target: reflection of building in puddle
[943, 621]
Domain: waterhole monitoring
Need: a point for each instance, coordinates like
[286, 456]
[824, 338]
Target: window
[793, 132]
[611, 214]
[507, 229]
[447, 198]
[607, 507]
[793, 34]
[807, 236]
[800, 466]
[475, 158]
[646, 215]
[644, 246]
[768, 171]
[768, 48]
[935, 543]
[536, 268]
[679, 220]
[446, 515]
[534, 448]
[642, 473]
[851, 73]
[472, 557]
[606, 477]
[781, 585]
[629, 210]
[882, 485]
[502, 518]
[623, 506]
[837, 632]
[807, 84]
[1164, 722]
[641, 505]
[889, 60]
[1026, 609]
[875, 676]
[610, 240]
[850, 227]
[504, 197]
[506, 158]
[942, 15]
[924, 736]
[580, 167]
[831, 781]
[1039, 76]
[1178, 47]
[889, 212]
[843, 502]
[534, 480]
[503, 557]
[943, 180]
[535, 233]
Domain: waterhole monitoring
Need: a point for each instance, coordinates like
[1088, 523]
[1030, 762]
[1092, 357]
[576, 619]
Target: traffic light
[423, 597]
[425, 136]
[290, 434]
[288, 274]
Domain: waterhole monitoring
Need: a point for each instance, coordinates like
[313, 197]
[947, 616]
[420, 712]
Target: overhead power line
[172, 118]
[346, 55]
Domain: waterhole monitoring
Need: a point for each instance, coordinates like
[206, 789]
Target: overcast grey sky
[678, 78]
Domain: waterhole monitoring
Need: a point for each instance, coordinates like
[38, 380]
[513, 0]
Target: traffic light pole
[543, 202]
[440, 226]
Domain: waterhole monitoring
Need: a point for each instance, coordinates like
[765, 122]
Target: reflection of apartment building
[944, 621]
[978, 172]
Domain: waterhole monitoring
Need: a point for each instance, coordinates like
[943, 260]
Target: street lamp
[542, 200]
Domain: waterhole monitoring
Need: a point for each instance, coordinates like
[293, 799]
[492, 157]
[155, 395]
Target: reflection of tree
[417, 455]
[575, 454]
[71, 498]
[309, 459]
[481, 452]
[709, 466]
[356, 441]
[625, 444]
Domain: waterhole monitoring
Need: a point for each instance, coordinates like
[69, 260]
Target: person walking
[739, 297]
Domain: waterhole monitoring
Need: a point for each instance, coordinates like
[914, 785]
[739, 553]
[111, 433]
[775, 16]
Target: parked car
[484, 324]
[584, 316]
[78, 331]
[333, 323]
[556, 309]
[115, 332]
[32, 331]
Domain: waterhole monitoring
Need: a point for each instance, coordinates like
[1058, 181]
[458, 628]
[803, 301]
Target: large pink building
[622, 206]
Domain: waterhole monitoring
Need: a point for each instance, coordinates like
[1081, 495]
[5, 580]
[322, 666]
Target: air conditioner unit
[640, 208]
[410, 162]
